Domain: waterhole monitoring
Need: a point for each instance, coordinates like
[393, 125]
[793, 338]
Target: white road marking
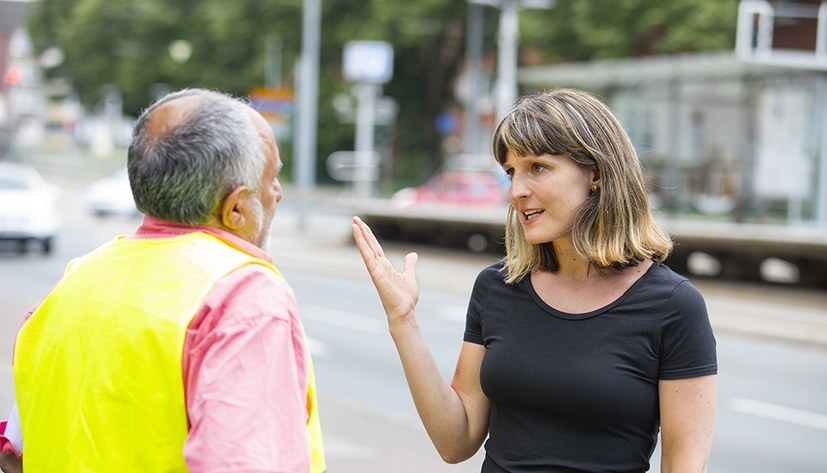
[778, 412]
[336, 446]
[453, 313]
[343, 319]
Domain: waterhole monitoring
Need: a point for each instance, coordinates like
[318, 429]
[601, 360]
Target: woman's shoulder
[677, 286]
[661, 273]
[494, 271]
[491, 275]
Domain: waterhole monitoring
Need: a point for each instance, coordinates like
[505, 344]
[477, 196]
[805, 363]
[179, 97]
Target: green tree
[126, 43]
[579, 30]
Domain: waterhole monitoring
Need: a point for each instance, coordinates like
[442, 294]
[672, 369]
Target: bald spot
[170, 115]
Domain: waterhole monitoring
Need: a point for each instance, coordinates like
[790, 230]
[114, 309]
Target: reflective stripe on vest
[108, 342]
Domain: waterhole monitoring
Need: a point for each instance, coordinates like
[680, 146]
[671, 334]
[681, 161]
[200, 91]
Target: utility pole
[507, 57]
[473, 58]
[369, 64]
[272, 60]
[304, 148]
[507, 47]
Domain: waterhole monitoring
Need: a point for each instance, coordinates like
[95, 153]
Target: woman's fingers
[372, 254]
[409, 268]
[378, 265]
[396, 289]
[367, 234]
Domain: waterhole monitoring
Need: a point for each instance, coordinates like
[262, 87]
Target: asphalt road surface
[772, 406]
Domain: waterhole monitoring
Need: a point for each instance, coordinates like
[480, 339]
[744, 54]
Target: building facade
[718, 136]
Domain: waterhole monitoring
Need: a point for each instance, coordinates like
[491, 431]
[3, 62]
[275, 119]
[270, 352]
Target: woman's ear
[233, 212]
[595, 175]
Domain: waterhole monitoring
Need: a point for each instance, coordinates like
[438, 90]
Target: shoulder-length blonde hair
[615, 227]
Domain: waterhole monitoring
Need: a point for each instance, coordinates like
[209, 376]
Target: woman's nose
[517, 187]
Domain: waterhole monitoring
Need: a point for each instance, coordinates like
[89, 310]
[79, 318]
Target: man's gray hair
[182, 173]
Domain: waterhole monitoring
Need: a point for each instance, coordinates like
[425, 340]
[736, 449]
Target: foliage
[599, 29]
[126, 43]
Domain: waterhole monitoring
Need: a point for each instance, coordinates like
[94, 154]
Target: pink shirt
[245, 369]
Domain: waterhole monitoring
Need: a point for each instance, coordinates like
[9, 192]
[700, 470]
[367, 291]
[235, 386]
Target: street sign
[368, 61]
[345, 166]
[385, 111]
[275, 104]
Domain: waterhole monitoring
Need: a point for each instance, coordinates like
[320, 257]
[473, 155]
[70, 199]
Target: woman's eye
[536, 168]
[509, 173]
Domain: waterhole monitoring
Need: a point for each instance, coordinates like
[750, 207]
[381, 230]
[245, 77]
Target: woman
[581, 343]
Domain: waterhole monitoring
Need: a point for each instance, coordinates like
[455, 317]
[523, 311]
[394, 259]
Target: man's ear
[233, 214]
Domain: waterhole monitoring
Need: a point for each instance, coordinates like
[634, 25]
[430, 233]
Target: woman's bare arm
[456, 415]
[687, 416]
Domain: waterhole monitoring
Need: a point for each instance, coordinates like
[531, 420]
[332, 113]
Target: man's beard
[263, 240]
[267, 242]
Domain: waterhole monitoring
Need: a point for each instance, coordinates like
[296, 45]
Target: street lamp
[506, 91]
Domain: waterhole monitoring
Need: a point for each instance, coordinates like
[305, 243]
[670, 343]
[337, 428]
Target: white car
[111, 196]
[28, 207]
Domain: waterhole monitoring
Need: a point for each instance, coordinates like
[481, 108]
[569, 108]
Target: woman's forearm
[441, 408]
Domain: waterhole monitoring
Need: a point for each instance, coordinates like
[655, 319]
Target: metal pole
[507, 58]
[821, 195]
[365, 119]
[307, 108]
[473, 47]
[506, 92]
[272, 61]
[671, 171]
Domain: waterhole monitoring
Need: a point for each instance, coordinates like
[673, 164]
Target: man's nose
[279, 192]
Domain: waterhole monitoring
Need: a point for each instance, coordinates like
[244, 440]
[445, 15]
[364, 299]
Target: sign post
[275, 104]
[370, 64]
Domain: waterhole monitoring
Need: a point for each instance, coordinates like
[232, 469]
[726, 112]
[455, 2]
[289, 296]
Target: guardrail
[756, 253]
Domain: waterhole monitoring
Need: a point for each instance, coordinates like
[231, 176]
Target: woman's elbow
[454, 454]
[453, 457]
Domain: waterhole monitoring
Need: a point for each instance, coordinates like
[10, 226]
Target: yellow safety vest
[98, 366]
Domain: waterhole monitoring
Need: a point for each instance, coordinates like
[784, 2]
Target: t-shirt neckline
[594, 313]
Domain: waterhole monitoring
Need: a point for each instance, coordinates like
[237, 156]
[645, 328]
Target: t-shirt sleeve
[688, 347]
[473, 321]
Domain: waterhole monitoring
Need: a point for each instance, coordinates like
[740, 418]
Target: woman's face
[546, 192]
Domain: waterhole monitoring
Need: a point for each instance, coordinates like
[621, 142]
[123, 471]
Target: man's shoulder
[256, 277]
[255, 290]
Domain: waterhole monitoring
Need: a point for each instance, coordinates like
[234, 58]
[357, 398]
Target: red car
[464, 188]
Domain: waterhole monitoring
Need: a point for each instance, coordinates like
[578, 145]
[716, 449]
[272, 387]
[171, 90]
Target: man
[179, 348]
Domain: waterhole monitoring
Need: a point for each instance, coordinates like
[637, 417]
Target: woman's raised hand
[397, 290]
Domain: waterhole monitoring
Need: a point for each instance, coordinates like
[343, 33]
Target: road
[772, 407]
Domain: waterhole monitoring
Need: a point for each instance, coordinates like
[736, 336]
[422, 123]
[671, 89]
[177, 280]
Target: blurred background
[385, 109]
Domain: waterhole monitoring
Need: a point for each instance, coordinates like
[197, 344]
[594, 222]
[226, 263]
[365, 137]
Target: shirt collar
[154, 227]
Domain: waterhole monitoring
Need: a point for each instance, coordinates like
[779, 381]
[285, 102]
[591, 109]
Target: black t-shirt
[579, 392]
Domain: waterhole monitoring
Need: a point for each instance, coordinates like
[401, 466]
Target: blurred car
[28, 207]
[461, 188]
[111, 196]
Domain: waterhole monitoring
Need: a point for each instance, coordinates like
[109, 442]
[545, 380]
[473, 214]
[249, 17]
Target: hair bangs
[527, 132]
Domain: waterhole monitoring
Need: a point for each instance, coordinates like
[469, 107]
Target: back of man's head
[189, 150]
